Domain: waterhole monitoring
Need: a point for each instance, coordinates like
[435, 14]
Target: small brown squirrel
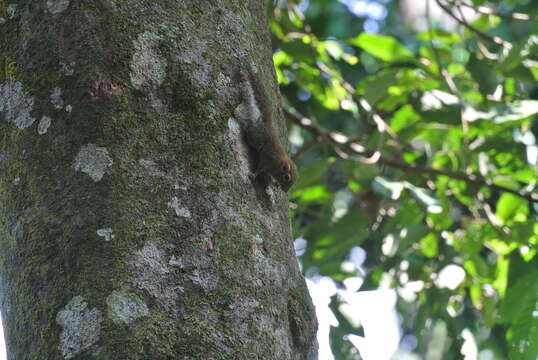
[258, 125]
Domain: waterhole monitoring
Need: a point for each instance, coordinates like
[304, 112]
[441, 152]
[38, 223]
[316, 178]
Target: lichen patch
[282, 344]
[56, 98]
[194, 52]
[148, 67]
[11, 10]
[180, 211]
[205, 278]
[269, 269]
[125, 308]
[233, 128]
[174, 261]
[57, 6]
[15, 104]
[106, 234]
[151, 166]
[43, 125]
[93, 161]
[81, 327]
[151, 258]
[151, 272]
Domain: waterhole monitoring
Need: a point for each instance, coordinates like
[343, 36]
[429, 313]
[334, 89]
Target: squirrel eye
[286, 177]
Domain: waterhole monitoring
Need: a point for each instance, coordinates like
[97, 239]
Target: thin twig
[305, 148]
[381, 124]
[494, 39]
[449, 82]
[343, 144]
[340, 143]
[470, 179]
[445, 75]
[488, 11]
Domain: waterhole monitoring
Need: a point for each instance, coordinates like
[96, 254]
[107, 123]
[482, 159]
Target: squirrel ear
[286, 167]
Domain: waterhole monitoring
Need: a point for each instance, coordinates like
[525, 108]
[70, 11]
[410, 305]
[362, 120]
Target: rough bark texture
[129, 225]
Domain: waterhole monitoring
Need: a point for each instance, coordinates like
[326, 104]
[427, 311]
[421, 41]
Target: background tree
[414, 128]
[130, 227]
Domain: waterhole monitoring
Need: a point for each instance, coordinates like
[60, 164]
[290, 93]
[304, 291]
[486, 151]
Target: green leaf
[312, 194]
[361, 173]
[276, 28]
[521, 294]
[404, 117]
[509, 205]
[298, 50]
[522, 339]
[484, 75]
[384, 47]
[447, 115]
[428, 245]
[518, 309]
[376, 87]
[311, 174]
[445, 37]
[350, 231]
[521, 72]
[486, 22]
[500, 247]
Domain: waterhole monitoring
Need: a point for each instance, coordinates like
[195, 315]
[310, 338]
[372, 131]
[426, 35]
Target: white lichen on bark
[125, 308]
[43, 125]
[93, 161]
[174, 261]
[150, 272]
[15, 104]
[57, 6]
[81, 327]
[56, 98]
[107, 234]
[148, 67]
[179, 210]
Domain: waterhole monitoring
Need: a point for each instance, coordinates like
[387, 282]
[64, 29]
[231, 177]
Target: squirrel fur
[259, 128]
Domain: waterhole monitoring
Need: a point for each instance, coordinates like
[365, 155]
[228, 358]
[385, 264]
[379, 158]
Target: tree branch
[494, 39]
[488, 11]
[343, 144]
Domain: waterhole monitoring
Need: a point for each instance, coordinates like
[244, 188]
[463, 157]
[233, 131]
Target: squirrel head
[286, 174]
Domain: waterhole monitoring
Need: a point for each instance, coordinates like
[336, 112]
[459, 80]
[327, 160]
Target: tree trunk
[130, 223]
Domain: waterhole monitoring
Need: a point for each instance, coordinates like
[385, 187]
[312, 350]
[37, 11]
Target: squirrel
[257, 122]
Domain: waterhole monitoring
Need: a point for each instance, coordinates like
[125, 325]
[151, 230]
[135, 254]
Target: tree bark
[130, 227]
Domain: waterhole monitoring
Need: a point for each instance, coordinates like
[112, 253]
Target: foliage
[422, 151]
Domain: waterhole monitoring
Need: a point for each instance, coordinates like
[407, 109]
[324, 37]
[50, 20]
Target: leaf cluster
[421, 149]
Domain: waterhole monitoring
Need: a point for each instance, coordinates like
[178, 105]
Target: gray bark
[130, 227]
